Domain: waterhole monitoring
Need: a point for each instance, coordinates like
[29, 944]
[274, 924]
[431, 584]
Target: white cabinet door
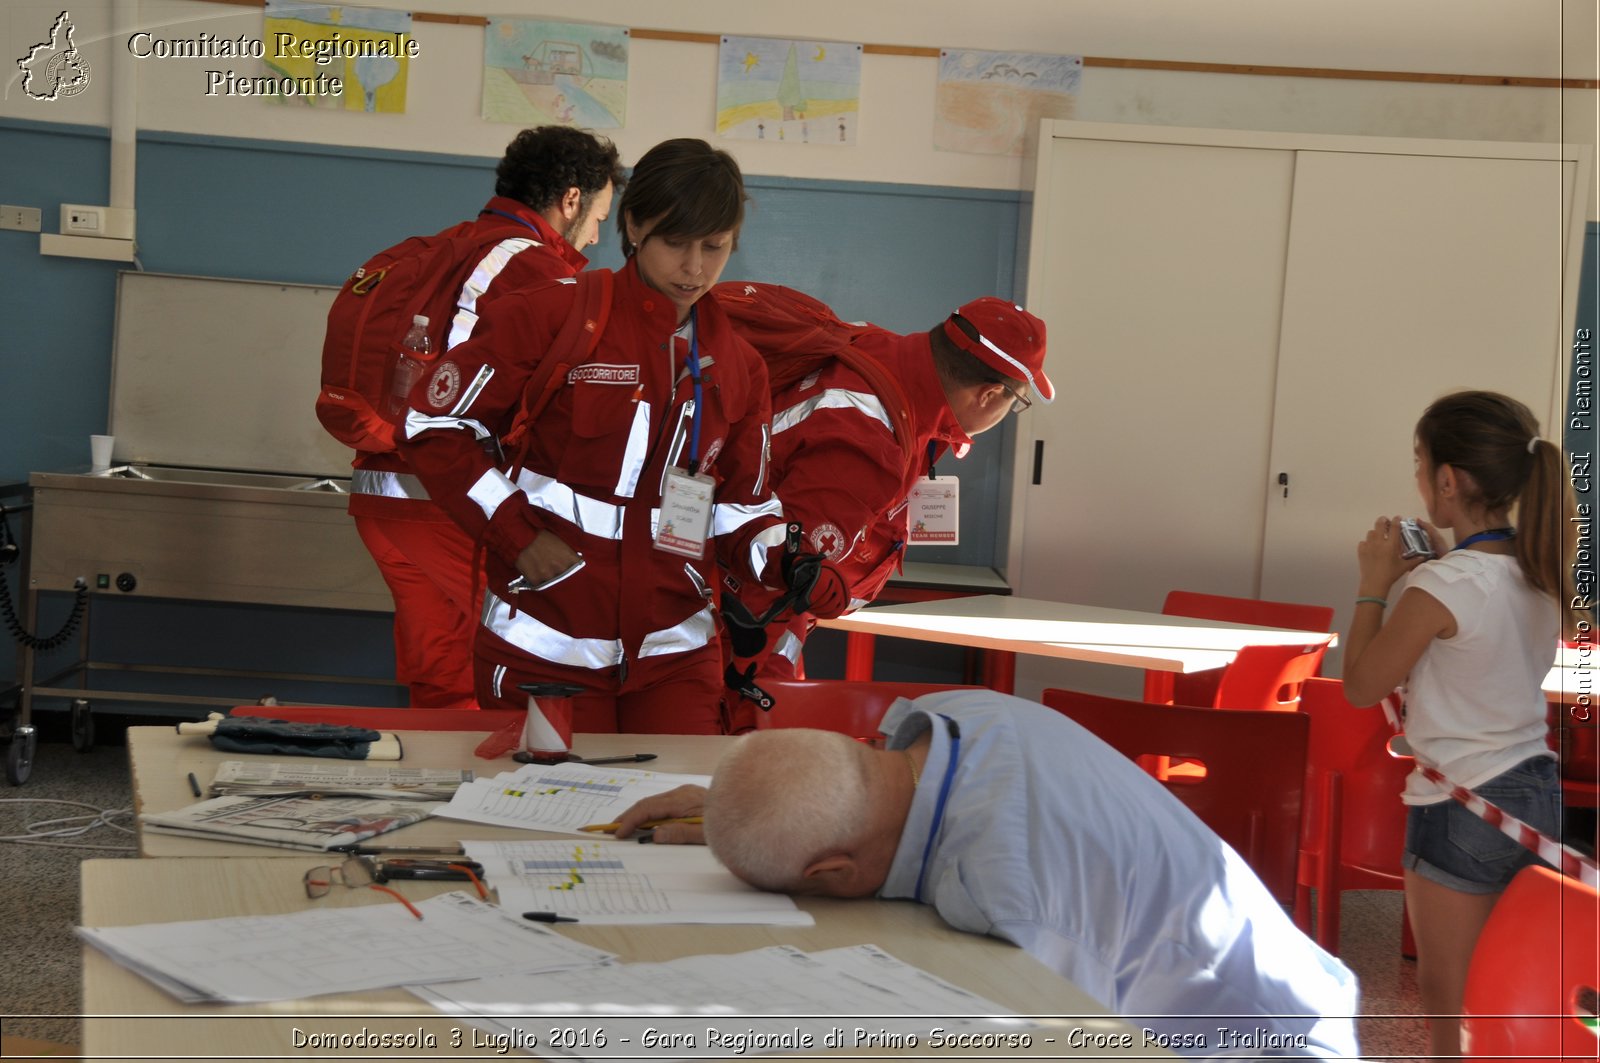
[1158, 271]
[1409, 276]
[1227, 306]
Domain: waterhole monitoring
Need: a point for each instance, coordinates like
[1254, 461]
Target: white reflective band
[789, 647]
[386, 484]
[1024, 372]
[592, 516]
[832, 399]
[633, 457]
[693, 633]
[545, 642]
[483, 275]
[766, 456]
[491, 491]
[418, 423]
[857, 603]
[727, 517]
[771, 539]
[471, 392]
[496, 677]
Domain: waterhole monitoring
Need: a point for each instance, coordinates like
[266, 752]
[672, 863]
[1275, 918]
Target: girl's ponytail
[1547, 530]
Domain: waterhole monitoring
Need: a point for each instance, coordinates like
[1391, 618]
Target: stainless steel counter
[192, 533]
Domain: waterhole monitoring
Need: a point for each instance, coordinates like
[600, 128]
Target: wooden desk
[137, 1020]
[162, 759]
[1076, 632]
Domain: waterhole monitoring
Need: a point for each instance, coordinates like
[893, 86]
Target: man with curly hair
[553, 188]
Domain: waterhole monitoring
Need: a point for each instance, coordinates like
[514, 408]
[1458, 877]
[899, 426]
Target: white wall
[673, 83]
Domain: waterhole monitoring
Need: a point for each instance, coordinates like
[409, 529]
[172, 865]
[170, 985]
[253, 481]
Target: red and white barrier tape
[1568, 860]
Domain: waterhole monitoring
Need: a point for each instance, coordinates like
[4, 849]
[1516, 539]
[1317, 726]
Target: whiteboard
[221, 374]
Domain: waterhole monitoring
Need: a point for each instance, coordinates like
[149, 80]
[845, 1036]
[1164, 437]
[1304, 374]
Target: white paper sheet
[612, 882]
[253, 959]
[560, 798]
[769, 1000]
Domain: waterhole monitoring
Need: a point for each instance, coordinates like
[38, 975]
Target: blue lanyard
[1492, 535]
[694, 375]
[944, 794]
[513, 217]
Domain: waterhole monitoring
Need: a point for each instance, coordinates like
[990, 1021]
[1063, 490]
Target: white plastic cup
[100, 451]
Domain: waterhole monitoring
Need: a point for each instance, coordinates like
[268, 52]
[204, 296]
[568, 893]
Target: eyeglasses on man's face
[1019, 401]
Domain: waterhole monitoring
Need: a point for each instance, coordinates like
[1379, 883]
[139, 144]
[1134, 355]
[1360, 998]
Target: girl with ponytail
[1471, 635]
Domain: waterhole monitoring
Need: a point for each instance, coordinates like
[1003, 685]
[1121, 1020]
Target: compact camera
[1414, 541]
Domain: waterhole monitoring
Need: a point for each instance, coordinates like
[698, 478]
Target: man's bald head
[783, 802]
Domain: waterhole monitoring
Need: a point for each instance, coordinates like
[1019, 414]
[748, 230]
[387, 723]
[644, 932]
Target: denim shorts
[1448, 844]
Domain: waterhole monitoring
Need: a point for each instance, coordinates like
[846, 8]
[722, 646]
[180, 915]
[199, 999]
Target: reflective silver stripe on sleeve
[483, 275]
[788, 646]
[418, 423]
[691, 634]
[857, 603]
[633, 457]
[766, 456]
[386, 484]
[727, 517]
[594, 517]
[832, 399]
[470, 393]
[496, 677]
[545, 642]
[491, 491]
[771, 539]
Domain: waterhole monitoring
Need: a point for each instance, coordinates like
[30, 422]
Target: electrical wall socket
[22, 219]
[108, 222]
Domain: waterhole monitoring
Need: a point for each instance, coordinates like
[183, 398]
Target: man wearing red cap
[840, 470]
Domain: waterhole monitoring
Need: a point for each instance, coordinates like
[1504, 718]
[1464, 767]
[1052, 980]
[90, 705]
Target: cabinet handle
[1038, 461]
[1283, 482]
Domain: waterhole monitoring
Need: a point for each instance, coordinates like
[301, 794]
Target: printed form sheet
[560, 797]
[613, 882]
[254, 959]
[768, 1000]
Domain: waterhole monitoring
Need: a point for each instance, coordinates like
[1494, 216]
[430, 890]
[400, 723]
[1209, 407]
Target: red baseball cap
[1010, 340]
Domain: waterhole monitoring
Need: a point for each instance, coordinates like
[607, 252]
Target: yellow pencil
[607, 828]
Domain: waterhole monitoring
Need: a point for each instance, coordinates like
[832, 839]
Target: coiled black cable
[9, 551]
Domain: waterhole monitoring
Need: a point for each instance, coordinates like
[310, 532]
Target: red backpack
[798, 335]
[370, 316]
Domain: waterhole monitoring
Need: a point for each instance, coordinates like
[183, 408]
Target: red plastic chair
[1254, 785]
[1534, 972]
[843, 705]
[387, 719]
[1354, 827]
[1200, 688]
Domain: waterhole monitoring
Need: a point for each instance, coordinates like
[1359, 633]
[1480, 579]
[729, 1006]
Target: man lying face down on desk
[1012, 820]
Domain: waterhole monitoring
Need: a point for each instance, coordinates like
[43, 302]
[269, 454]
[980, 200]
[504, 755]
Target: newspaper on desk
[560, 797]
[259, 958]
[778, 999]
[273, 777]
[290, 821]
[611, 883]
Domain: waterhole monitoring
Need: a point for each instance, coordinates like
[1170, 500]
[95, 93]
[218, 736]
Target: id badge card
[685, 514]
[934, 512]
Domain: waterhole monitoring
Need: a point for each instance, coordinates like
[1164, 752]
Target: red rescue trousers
[677, 693]
[428, 567]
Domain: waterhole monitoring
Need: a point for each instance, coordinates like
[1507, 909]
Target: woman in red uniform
[594, 579]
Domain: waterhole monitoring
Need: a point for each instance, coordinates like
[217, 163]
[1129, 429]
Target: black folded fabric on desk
[295, 738]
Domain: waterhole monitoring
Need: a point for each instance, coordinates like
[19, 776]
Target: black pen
[548, 917]
[194, 784]
[631, 758]
[374, 850]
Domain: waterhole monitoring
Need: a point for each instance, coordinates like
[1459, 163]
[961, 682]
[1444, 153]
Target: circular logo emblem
[67, 74]
[828, 540]
[444, 385]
